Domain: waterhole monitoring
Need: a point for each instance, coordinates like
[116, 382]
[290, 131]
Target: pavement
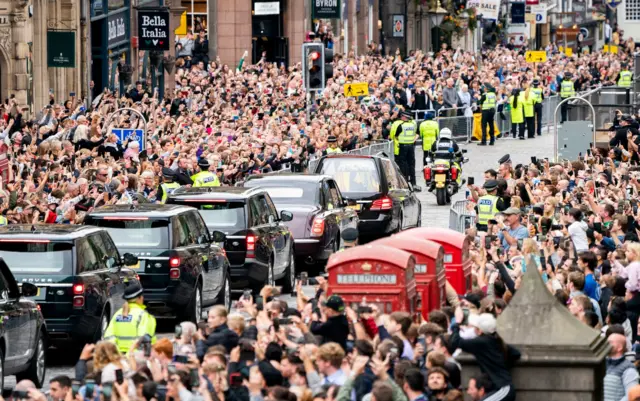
[481, 158]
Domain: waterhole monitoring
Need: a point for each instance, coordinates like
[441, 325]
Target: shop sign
[325, 8]
[267, 8]
[153, 30]
[117, 28]
[61, 49]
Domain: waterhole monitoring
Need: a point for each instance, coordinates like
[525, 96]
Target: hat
[536, 82]
[334, 302]
[473, 299]
[490, 185]
[331, 139]
[568, 75]
[350, 234]
[167, 172]
[133, 291]
[485, 322]
[512, 210]
[505, 159]
[628, 118]
[203, 164]
[52, 200]
[406, 114]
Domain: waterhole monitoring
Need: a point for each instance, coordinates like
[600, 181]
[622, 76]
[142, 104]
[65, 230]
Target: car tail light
[78, 295]
[174, 261]
[174, 273]
[454, 173]
[384, 203]
[427, 173]
[251, 246]
[317, 229]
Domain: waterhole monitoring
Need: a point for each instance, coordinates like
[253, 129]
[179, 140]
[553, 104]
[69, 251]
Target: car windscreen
[354, 176]
[219, 215]
[132, 233]
[37, 257]
[289, 192]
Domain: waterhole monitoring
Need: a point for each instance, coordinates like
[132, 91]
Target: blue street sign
[538, 17]
[131, 134]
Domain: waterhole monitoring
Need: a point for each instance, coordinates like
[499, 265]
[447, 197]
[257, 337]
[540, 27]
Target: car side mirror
[218, 236]
[29, 290]
[286, 216]
[130, 259]
[112, 263]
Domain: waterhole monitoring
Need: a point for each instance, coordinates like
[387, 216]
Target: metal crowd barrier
[461, 216]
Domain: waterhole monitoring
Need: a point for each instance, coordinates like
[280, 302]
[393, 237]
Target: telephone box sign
[153, 30]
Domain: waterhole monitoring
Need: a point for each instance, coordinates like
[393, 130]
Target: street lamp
[436, 14]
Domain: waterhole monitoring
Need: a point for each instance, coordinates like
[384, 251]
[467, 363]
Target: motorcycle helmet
[445, 133]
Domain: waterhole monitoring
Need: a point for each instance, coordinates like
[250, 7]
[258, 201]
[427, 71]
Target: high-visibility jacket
[392, 136]
[537, 92]
[528, 104]
[126, 330]
[3, 221]
[487, 208]
[333, 151]
[490, 100]
[429, 131]
[517, 113]
[408, 134]
[205, 179]
[567, 89]
[625, 79]
[167, 189]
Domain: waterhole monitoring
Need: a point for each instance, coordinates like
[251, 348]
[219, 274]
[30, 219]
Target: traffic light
[328, 67]
[313, 66]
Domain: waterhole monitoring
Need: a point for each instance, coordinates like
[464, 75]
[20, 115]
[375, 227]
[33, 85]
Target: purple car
[319, 212]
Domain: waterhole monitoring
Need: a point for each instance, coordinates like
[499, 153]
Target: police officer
[333, 146]
[132, 321]
[539, 96]
[406, 140]
[488, 205]
[394, 130]
[567, 90]
[3, 219]
[488, 102]
[168, 185]
[625, 77]
[429, 131]
[349, 238]
[205, 178]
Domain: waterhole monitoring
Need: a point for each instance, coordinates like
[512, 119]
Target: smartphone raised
[180, 359]
[471, 180]
[107, 390]
[487, 241]
[520, 242]
[194, 377]
[89, 387]
[178, 331]
[119, 376]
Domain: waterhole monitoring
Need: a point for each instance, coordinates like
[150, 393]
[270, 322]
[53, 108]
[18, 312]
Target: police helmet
[168, 173]
[203, 164]
[445, 133]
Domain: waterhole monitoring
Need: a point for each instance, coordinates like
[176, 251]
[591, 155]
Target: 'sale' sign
[153, 30]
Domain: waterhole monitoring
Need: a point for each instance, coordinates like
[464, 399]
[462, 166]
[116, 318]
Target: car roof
[226, 193]
[145, 209]
[59, 232]
[306, 177]
[377, 156]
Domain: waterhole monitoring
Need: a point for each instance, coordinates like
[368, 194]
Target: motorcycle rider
[429, 130]
[446, 148]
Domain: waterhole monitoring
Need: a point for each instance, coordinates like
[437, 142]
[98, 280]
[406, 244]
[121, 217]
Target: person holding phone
[510, 229]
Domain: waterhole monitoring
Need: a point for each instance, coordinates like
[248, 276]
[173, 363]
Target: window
[196, 227]
[355, 177]
[188, 236]
[179, 233]
[632, 10]
[273, 211]
[264, 208]
[334, 193]
[87, 259]
[143, 233]
[46, 258]
[390, 173]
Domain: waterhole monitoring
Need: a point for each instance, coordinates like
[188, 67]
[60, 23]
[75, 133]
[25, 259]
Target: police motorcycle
[443, 173]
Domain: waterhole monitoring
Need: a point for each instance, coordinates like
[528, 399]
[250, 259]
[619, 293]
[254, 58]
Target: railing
[461, 216]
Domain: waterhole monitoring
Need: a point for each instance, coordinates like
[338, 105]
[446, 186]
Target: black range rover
[181, 266]
[79, 274]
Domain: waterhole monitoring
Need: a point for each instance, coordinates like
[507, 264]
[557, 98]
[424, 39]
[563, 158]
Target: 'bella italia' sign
[153, 30]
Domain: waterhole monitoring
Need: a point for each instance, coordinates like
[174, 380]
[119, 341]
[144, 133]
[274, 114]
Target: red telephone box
[456, 253]
[382, 275]
[429, 270]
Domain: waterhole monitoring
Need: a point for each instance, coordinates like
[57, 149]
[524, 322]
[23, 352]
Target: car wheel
[225, 297]
[194, 309]
[37, 366]
[290, 276]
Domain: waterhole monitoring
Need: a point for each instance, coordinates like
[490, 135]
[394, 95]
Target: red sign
[532, 2]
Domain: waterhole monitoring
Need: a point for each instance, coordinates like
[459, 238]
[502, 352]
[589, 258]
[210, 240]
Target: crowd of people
[581, 215]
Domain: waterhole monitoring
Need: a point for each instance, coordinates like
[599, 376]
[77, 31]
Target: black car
[79, 274]
[181, 267]
[259, 245]
[319, 212]
[375, 188]
[23, 332]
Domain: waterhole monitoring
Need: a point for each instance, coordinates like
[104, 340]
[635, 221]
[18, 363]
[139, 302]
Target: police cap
[132, 291]
[536, 82]
[406, 114]
[331, 139]
[505, 159]
[568, 75]
[203, 163]
[349, 234]
[167, 172]
[490, 185]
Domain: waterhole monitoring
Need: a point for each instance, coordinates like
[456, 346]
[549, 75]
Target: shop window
[115, 4]
[632, 10]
